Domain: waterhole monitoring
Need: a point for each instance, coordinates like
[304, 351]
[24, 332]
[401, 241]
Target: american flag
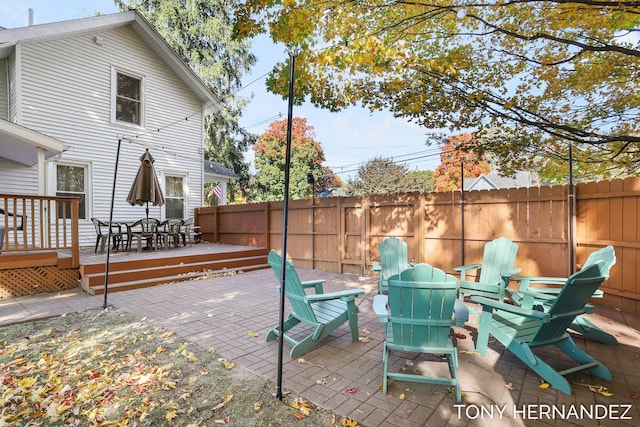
[217, 190]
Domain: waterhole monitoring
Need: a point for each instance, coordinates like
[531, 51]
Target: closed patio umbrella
[146, 186]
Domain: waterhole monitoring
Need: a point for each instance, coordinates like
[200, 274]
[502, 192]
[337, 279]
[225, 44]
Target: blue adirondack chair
[531, 295]
[393, 260]
[419, 316]
[325, 312]
[495, 270]
[520, 330]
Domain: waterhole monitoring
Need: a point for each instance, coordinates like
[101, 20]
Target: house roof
[9, 38]
[494, 181]
[214, 172]
[21, 145]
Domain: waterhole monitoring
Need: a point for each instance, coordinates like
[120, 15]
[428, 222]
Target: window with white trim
[174, 196]
[71, 180]
[128, 98]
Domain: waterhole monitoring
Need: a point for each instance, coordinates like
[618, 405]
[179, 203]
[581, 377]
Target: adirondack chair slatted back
[607, 255]
[498, 259]
[421, 308]
[499, 256]
[571, 301]
[393, 259]
[293, 288]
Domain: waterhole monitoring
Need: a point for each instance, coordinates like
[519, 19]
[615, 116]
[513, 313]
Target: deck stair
[140, 273]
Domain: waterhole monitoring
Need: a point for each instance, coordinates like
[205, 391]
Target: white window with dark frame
[72, 180]
[128, 98]
[175, 204]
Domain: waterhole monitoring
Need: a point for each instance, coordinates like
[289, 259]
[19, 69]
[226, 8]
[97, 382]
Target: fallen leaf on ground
[509, 386]
[351, 390]
[364, 339]
[252, 334]
[544, 386]
[402, 396]
[600, 389]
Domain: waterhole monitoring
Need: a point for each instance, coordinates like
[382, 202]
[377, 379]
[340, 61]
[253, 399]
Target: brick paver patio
[498, 389]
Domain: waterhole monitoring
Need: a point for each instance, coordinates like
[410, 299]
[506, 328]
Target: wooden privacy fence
[445, 230]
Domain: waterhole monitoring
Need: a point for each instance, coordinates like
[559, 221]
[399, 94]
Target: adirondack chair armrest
[489, 305]
[317, 284]
[376, 266]
[380, 307]
[512, 272]
[526, 281]
[464, 268]
[346, 295]
[540, 296]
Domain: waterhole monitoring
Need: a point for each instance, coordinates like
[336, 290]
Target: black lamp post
[293, 53]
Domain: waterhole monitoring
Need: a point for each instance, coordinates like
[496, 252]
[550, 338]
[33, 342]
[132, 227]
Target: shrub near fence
[342, 234]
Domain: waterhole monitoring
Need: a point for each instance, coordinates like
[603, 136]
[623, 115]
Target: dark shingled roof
[218, 169]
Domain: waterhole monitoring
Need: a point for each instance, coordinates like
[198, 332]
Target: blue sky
[349, 138]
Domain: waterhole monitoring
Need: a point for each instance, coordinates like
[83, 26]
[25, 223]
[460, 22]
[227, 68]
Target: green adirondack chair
[520, 330]
[393, 260]
[419, 316]
[531, 295]
[495, 270]
[325, 312]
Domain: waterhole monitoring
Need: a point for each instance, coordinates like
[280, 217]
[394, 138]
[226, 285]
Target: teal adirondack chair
[393, 260]
[520, 330]
[540, 298]
[495, 270]
[325, 312]
[419, 316]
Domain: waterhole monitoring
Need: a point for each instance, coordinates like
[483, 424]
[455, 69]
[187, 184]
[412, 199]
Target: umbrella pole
[113, 194]
[285, 217]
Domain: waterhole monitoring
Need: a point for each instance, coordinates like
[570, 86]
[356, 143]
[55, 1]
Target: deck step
[134, 274]
[137, 284]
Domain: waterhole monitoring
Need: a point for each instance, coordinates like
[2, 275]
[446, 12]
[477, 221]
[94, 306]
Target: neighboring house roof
[214, 172]
[21, 145]
[9, 38]
[333, 192]
[494, 181]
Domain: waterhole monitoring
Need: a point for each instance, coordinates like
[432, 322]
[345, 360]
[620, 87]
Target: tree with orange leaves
[270, 149]
[456, 158]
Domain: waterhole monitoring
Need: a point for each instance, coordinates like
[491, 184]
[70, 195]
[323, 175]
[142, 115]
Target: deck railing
[39, 223]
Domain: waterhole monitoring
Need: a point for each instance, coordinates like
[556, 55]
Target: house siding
[13, 83]
[15, 177]
[66, 94]
[4, 89]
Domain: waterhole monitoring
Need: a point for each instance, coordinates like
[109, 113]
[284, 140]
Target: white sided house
[70, 91]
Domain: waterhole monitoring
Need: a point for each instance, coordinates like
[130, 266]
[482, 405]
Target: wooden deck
[131, 270]
[31, 272]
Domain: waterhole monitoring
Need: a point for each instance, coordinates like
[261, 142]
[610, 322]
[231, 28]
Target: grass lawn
[110, 368]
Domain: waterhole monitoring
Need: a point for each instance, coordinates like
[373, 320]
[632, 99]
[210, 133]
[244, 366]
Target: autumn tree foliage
[456, 159]
[270, 161]
[382, 175]
[531, 77]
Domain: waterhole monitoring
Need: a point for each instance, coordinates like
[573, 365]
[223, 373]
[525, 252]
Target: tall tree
[202, 34]
[458, 161]
[539, 75]
[380, 175]
[270, 149]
